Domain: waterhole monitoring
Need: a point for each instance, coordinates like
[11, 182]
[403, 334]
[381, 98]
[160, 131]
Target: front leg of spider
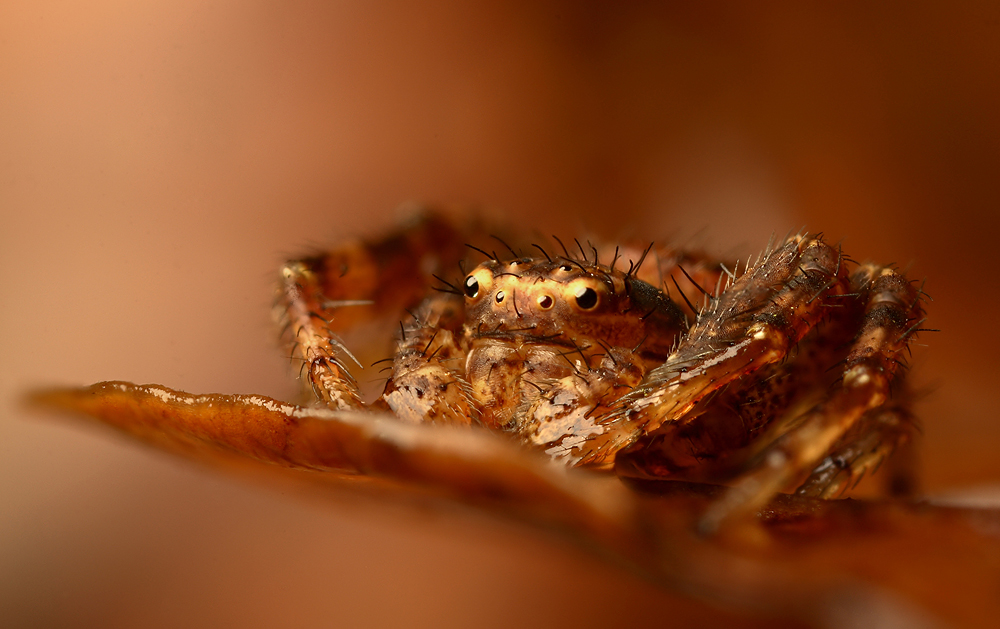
[753, 323]
[308, 313]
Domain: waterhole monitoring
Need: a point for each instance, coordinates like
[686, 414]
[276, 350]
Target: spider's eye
[586, 297]
[471, 287]
[500, 296]
[565, 267]
[545, 302]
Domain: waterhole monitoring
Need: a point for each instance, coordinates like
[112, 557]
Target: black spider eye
[565, 267]
[471, 287]
[586, 297]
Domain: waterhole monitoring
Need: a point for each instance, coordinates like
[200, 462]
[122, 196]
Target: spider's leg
[322, 351]
[427, 382]
[866, 445]
[359, 283]
[737, 424]
[892, 316]
[754, 323]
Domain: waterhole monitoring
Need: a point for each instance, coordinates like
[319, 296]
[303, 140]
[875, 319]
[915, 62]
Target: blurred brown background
[160, 159]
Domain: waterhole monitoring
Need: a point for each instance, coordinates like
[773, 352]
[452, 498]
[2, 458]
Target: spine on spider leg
[753, 323]
[697, 278]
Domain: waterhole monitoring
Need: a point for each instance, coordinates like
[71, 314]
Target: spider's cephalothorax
[550, 341]
[598, 366]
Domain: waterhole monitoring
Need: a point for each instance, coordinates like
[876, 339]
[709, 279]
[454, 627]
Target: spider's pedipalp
[420, 390]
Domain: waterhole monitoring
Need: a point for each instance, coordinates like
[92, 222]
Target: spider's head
[572, 302]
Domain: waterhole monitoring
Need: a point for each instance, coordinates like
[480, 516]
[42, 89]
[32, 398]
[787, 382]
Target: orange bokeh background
[160, 159]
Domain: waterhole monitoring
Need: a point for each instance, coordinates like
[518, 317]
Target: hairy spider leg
[741, 423]
[360, 283]
[321, 350]
[720, 438]
[893, 314]
[753, 323]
